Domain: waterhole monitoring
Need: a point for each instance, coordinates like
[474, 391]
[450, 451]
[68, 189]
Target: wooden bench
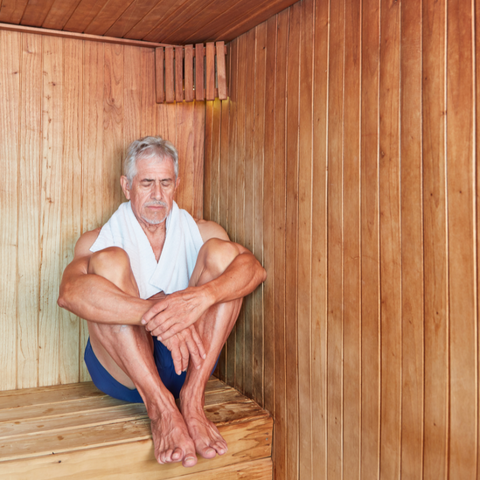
[77, 432]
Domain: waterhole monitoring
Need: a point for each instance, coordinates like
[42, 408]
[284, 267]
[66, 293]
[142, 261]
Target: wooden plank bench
[77, 432]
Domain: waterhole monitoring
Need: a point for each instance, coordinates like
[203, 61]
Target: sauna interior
[345, 157]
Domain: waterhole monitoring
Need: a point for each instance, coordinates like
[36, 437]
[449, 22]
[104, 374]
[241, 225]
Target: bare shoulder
[209, 229]
[82, 248]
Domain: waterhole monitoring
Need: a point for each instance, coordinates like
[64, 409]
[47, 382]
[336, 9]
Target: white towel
[178, 257]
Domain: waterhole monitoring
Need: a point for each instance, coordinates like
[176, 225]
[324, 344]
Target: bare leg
[213, 328]
[126, 352]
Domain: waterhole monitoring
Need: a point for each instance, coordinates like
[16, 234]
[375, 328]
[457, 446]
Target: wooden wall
[346, 159]
[68, 109]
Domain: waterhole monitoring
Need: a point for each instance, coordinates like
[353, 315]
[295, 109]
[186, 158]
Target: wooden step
[77, 432]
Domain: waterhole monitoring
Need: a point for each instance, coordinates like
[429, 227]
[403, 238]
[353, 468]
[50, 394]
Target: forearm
[95, 298]
[239, 279]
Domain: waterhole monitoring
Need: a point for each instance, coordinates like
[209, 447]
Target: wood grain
[221, 70]
[179, 74]
[258, 134]
[304, 271]
[199, 72]
[435, 240]
[29, 253]
[335, 238]
[370, 434]
[189, 80]
[352, 382]
[269, 220]
[319, 239]
[159, 74]
[10, 45]
[279, 208]
[51, 210]
[461, 244]
[69, 327]
[412, 242]
[390, 241]
[291, 240]
[169, 75]
[90, 435]
[210, 71]
[249, 203]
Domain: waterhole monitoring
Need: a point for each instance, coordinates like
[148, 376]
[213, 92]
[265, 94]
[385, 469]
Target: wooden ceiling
[177, 22]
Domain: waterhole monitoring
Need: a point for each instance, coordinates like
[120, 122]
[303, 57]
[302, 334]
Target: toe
[208, 452]
[177, 455]
[189, 461]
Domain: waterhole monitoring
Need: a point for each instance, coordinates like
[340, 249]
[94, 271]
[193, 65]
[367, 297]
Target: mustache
[155, 203]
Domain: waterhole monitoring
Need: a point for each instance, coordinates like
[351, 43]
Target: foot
[205, 435]
[172, 441]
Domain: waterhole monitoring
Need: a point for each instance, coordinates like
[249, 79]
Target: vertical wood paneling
[197, 159]
[291, 238]
[412, 241]
[304, 243]
[28, 218]
[113, 137]
[249, 201]
[319, 239]
[67, 108]
[461, 243]
[370, 433]
[9, 162]
[51, 210]
[390, 244]
[393, 379]
[335, 240]
[239, 194]
[269, 231]
[71, 202]
[94, 197]
[230, 200]
[435, 240]
[258, 133]
[351, 244]
[279, 209]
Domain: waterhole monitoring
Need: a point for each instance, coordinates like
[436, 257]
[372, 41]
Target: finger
[185, 355]
[177, 359]
[193, 349]
[198, 341]
[159, 307]
[170, 332]
[166, 324]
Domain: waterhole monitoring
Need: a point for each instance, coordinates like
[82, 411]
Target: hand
[176, 312]
[184, 345]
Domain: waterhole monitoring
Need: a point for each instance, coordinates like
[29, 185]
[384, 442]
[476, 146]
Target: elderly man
[161, 292]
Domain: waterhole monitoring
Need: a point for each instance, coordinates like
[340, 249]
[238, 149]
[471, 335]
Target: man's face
[152, 190]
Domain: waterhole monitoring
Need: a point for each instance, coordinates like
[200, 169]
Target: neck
[156, 235]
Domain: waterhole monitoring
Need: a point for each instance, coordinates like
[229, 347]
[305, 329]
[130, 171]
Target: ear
[125, 187]
[177, 183]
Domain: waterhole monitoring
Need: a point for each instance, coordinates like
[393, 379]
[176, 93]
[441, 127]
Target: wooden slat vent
[193, 72]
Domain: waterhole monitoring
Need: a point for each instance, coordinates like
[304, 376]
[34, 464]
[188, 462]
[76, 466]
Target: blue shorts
[107, 384]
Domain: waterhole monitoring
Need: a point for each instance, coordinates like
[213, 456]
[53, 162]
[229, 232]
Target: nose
[157, 192]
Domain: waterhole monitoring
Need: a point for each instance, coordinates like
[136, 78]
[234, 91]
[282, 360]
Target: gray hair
[147, 148]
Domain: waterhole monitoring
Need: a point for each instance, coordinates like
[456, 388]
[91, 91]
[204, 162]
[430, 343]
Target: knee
[219, 254]
[109, 261]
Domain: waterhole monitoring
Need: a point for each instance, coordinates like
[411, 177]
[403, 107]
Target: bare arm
[93, 297]
[182, 309]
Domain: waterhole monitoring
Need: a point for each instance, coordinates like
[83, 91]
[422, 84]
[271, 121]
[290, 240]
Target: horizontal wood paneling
[168, 21]
[69, 108]
[370, 205]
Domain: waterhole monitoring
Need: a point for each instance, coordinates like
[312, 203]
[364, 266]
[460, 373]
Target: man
[153, 271]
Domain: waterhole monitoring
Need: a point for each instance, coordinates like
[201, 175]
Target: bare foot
[204, 433]
[172, 441]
